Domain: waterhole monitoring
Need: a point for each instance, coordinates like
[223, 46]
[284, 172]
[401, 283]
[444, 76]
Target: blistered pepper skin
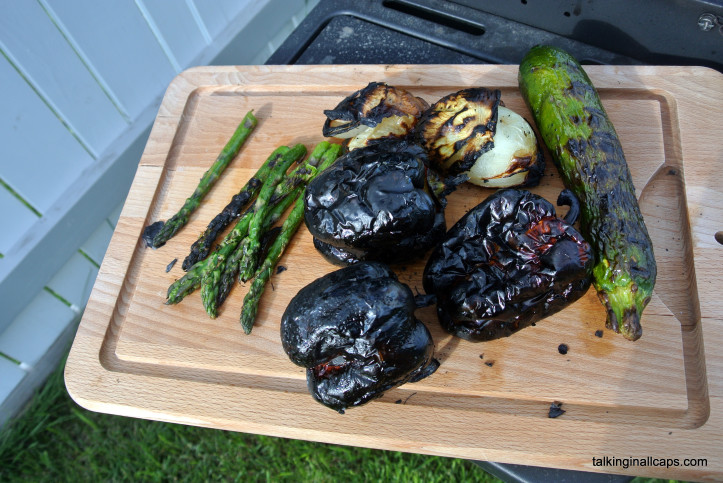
[509, 262]
[355, 332]
[374, 204]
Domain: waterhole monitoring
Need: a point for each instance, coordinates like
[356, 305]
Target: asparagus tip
[150, 232]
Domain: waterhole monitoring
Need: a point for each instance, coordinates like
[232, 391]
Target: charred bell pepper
[375, 203]
[355, 332]
[507, 263]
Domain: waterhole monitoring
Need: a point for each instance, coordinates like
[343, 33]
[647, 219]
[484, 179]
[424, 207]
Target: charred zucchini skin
[587, 152]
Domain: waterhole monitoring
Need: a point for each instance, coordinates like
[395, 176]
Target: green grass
[54, 439]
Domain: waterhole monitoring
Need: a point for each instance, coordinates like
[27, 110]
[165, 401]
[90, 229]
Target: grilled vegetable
[157, 234]
[459, 128]
[355, 332]
[516, 158]
[378, 111]
[208, 269]
[507, 263]
[471, 132]
[202, 246]
[585, 147]
[374, 203]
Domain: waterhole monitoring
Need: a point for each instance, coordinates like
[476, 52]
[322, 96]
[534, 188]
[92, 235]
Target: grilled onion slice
[516, 158]
[471, 132]
[459, 128]
[378, 111]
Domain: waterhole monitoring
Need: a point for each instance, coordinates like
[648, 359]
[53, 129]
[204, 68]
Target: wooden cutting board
[660, 397]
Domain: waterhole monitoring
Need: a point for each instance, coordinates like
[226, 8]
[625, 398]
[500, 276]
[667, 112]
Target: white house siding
[81, 84]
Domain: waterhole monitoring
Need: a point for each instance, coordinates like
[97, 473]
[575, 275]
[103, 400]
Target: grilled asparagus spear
[324, 152]
[201, 247]
[291, 224]
[212, 276]
[193, 277]
[158, 233]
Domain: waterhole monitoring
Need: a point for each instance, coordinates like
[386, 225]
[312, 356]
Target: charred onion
[378, 111]
[471, 132]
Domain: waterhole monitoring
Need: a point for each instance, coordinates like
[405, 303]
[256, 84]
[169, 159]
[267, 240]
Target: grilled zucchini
[587, 152]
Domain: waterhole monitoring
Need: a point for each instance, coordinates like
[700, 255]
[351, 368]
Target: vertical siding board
[30, 38]
[263, 24]
[116, 39]
[114, 216]
[15, 220]
[75, 280]
[10, 377]
[218, 14]
[36, 328]
[97, 244]
[179, 29]
[39, 157]
[158, 35]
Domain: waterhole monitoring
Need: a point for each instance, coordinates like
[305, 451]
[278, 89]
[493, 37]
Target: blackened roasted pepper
[509, 262]
[374, 203]
[355, 331]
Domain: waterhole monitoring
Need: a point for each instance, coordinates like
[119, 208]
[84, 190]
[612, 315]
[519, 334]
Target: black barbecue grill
[655, 32]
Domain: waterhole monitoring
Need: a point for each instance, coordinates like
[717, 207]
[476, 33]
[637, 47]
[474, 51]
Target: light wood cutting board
[659, 397]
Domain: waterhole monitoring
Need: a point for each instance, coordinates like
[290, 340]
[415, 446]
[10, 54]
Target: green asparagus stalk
[284, 195]
[289, 227]
[194, 276]
[201, 247]
[301, 173]
[228, 277]
[263, 274]
[212, 276]
[157, 234]
[251, 244]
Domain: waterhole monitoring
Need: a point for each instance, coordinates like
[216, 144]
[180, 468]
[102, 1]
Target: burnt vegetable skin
[374, 203]
[459, 128]
[355, 331]
[376, 112]
[507, 263]
[586, 149]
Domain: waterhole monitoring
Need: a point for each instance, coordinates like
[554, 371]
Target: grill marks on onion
[456, 129]
[376, 112]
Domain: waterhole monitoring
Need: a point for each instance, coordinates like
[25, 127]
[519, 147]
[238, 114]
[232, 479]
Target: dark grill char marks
[391, 109]
[458, 128]
[587, 152]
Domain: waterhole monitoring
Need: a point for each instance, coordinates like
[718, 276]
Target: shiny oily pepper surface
[507, 263]
[355, 331]
[374, 203]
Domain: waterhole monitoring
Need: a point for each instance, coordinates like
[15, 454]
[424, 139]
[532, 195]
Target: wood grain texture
[661, 396]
